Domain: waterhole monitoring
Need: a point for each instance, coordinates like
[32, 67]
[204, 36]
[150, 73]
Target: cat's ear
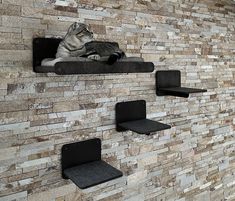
[75, 25]
[88, 27]
[72, 27]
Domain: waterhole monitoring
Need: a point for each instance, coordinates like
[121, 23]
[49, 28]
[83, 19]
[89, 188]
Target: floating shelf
[131, 115]
[47, 48]
[81, 162]
[169, 83]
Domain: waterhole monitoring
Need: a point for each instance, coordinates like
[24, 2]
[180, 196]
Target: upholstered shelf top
[89, 67]
[144, 126]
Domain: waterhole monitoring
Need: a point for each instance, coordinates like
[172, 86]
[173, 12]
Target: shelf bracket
[131, 115]
[168, 83]
[81, 162]
[47, 47]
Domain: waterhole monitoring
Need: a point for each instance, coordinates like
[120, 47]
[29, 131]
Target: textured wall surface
[194, 160]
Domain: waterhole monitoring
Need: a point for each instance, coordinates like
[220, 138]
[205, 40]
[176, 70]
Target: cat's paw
[94, 57]
[112, 59]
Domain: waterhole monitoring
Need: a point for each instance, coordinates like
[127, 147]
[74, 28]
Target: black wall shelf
[47, 48]
[81, 162]
[131, 115]
[169, 83]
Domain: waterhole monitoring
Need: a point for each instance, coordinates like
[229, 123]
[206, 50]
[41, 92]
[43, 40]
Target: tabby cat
[78, 45]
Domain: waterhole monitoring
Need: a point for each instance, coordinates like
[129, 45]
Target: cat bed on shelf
[131, 115]
[81, 163]
[168, 83]
[47, 47]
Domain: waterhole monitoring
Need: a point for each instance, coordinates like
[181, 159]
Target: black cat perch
[47, 48]
[131, 115]
[81, 162]
[168, 82]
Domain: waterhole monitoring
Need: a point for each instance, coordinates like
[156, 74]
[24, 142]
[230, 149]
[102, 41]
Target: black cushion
[91, 174]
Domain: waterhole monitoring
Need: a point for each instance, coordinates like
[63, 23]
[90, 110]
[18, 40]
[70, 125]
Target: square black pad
[181, 91]
[144, 126]
[91, 174]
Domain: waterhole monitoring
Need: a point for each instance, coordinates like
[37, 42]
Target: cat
[79, 45]
[73, 44]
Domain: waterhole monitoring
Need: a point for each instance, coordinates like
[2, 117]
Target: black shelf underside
[91, 174]
[180, 91]
[44, 69]
[144, 126]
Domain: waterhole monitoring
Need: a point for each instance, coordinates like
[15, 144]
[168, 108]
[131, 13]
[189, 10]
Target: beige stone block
[120, 91]
[148, 160]
[32, 23]
[8, 10]
[19, 2]
[15, 55]
[15, 196]
[66, 106]
[12, 21]
[60, 199]
[53, 193]
[32, 163]
[8, 153]
[32, 12]
[133, 150]
[111, 195]
[36, 148]
[14, 126]
[137, 177]
[46, 121]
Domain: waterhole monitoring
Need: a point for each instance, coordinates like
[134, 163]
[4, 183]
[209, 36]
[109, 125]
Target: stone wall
[194, 160]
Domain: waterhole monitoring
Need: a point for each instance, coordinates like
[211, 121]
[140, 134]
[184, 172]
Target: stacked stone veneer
[194, 160]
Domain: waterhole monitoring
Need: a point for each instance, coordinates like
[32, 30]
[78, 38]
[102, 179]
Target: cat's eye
[80, 34]
[86, 31]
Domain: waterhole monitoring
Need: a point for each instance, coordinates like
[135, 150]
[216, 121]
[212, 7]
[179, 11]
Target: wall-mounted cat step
[47, 48]
[131, 115]
[169, 83]
[81, 162]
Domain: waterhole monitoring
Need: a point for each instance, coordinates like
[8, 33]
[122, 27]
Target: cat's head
[78, 34]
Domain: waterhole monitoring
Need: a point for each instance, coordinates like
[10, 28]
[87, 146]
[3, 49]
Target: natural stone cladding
[192, 161]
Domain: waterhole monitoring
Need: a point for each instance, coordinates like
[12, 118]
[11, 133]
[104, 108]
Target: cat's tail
[115, 56]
